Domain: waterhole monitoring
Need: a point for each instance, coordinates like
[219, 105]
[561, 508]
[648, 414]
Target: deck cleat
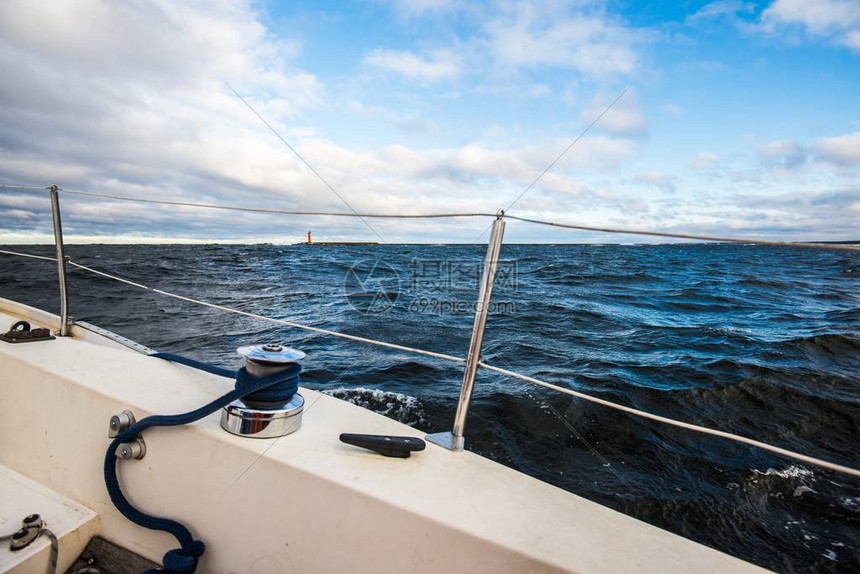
[31, 529]
[265, 416]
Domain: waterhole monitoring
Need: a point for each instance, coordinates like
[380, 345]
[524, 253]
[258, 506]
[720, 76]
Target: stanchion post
[455, 440]
[61, 262]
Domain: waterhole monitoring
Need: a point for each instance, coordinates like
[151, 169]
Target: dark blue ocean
[760, 341]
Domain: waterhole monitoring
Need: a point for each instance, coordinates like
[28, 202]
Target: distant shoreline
[376, 244]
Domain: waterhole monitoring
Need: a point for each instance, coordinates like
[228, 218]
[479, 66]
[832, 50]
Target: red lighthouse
[309, 236]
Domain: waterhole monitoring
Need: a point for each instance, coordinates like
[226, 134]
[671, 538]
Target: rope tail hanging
[279, 386]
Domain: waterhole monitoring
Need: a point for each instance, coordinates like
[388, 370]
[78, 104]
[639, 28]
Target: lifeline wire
[270, 319]
[278, 211]
[673, 422]
[621, 231]
[28, 255]
[573, 431]
[832, 246]
[532, 380]
[8, 186]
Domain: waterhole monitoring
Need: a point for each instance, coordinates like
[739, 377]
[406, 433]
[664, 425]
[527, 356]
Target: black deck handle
[394, 446]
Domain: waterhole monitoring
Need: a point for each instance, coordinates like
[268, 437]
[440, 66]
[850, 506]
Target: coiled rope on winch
[280, 392]
[278, 387]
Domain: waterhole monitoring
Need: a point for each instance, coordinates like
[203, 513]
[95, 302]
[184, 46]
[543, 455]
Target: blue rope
[277, 393]
[199, 365]
[185, 558]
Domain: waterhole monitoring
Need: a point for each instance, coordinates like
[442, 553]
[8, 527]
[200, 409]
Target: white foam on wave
[789, 472]
[803, 489]
[726, 330]
[403, 408]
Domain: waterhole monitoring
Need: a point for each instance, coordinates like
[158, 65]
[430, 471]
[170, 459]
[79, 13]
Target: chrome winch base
[265, 421]
[240, 419]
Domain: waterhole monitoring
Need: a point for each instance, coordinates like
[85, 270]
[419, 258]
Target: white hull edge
[307, 502]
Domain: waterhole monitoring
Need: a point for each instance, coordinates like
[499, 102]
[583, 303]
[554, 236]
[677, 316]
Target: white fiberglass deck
[72, 524]
[310, 503]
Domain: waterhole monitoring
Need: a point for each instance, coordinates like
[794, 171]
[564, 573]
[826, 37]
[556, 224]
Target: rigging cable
[573, 143]
[562, 154]
[316, 173]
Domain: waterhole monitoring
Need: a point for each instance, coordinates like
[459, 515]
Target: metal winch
[265, 419]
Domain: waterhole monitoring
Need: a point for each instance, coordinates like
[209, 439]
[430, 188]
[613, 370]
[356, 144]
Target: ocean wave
[758, 341]
[403, 408]
[834, 343]
[792, 471]
[761, 282]
[412, 371]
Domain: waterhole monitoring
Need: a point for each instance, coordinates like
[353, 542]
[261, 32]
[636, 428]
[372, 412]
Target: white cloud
[663, 181]
[838, 20]
[625, 117]
[787, 154]
[413, 8]
[583, 37]
[538, 91]
[704, 160]
[798, 213]
[362, 109]
[413, 125]
[720, 9]
[673, 109]
[842, 150]
[483, 170]
[135, 91]
[128, 98]
[852, 40]
[437, 66]
[147, 40]
[157, 122]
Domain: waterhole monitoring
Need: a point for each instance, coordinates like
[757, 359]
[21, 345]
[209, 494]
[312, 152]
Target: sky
[743, 118]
